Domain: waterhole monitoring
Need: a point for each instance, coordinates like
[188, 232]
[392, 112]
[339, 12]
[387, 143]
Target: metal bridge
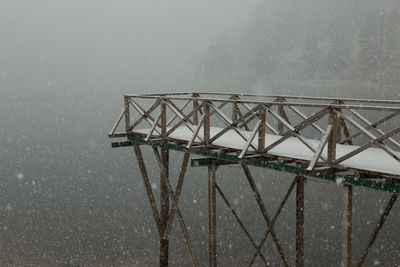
[347, 141]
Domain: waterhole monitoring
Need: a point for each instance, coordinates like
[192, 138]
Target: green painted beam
[392, 188]
[202, 162]
[121, 144]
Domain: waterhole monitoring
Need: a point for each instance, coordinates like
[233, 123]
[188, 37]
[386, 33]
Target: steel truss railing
[279, 115]
[154, 119]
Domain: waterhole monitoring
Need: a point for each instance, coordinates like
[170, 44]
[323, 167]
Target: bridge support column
[164, 210]
[300, 221]
[164, 192]
[347, 225]
[212, 217]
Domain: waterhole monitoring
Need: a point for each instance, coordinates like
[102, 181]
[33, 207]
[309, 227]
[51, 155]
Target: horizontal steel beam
[201, 162]
[121, 144]
[362, 106]
[311, 98]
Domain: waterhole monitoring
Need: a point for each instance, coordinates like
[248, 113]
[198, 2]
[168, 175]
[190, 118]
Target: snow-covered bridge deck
[371, 159]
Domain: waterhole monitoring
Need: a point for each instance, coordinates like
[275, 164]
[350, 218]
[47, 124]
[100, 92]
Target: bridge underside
[220, 156]
[348, 150]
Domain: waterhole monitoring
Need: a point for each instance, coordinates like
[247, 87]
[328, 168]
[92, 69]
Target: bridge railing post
[234, 108]
[206, 125]
[127, 114]
[282, 113]
[262, 128]
[195, 105]
[335, 138]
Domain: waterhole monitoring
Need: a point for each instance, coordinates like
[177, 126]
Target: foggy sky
[98, 46]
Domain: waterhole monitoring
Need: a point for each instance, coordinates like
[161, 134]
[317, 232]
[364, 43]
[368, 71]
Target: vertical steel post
[127, 114]
[347, 225]
[261, 129]
[164, 195]
[234, 108]
[206, 125]
[335, 136]
[212, 217]
[300, 221]
[281, 112]
[195, 105]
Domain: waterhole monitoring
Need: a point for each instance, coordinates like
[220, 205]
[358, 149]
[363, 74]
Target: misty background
[68, 199]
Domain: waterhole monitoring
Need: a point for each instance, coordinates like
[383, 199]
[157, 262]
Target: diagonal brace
[144, 114]
[246, 232]
[376, 140]
[265, 214]
[228, 122]
[177, 210]
[250, 140]
[377, 229]
[277, 213]
[147, 186]
[320, 148]
[178, 191]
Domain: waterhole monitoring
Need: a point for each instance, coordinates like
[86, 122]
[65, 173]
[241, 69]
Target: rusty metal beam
[311, 98]
[177, 210]
[212, 217]
[277, 213]
[225, 101]
[299, 113]
[261, 128]
[320, 148]
[387, 149]
[127, 114]
[251, 138]
[239, 112]
[196, 132]
[164, 194]
[300, 221]
[145, 115]
[181, 111]
[178, 190]
[206, 123]
[347, 225]
[234, 213]
[147, 186]
[242, 119]
[372, 125]
[334, 137]
[265, 214]
[294, 130]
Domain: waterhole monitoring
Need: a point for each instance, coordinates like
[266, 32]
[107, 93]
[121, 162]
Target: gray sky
[49, 46]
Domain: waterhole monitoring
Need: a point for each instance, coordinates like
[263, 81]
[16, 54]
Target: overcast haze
[67, 198]
[99, 46]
